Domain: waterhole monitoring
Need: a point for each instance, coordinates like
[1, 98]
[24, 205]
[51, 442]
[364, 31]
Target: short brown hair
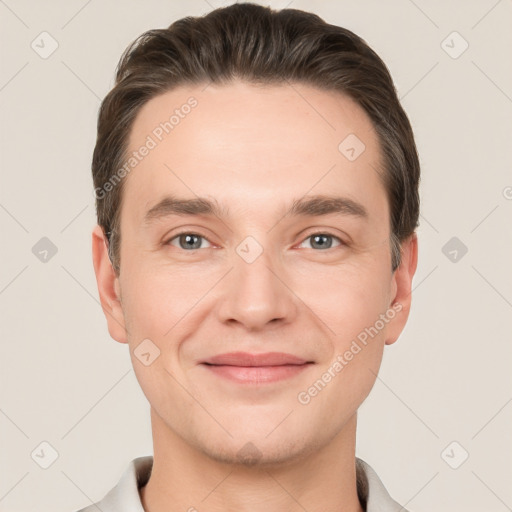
[258, 45]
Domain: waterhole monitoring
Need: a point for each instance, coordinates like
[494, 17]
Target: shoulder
[372, 491]
[125, 494]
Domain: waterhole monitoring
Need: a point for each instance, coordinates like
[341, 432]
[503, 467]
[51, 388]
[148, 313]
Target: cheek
[351, 305]
[157, 299]
[346, 298]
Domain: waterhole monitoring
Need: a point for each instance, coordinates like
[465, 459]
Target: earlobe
[402, 288]
[108, 286]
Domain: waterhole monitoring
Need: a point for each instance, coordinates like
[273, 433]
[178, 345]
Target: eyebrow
[312, 206]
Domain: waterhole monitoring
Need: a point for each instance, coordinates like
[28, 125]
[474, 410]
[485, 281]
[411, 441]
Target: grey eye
[187, 241]
[322, 241]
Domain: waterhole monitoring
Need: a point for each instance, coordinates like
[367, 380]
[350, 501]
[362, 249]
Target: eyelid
[342, 236]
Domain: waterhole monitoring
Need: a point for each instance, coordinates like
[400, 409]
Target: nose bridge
[255, 294]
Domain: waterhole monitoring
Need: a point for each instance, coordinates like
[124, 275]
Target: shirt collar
[125, 495]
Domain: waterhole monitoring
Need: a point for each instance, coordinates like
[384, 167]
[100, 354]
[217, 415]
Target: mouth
[245, 368]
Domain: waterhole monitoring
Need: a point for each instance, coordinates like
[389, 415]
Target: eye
[322, 241]
[187, 241]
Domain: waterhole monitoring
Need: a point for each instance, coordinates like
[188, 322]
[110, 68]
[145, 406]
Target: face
[253, 225]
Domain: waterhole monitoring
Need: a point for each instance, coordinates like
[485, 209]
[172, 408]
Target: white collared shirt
[124, 497]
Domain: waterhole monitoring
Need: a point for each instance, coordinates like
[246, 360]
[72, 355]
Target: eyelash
[342, 243]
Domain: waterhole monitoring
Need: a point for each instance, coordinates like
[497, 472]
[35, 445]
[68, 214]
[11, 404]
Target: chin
[259, 452]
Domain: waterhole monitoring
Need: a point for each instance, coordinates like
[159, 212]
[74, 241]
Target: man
[257, 200]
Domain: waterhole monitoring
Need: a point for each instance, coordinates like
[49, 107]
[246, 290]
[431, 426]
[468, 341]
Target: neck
[183, 478]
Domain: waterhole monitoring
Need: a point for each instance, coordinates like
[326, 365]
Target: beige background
[66, 382]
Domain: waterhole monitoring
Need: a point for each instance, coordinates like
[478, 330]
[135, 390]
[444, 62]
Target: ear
[108, 286]
[402, 287]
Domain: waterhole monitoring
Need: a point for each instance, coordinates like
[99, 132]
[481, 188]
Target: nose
[256, 294]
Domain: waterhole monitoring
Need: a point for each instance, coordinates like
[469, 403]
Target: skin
[254, 149]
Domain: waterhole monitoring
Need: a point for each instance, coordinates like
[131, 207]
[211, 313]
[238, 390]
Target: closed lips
[248, 359]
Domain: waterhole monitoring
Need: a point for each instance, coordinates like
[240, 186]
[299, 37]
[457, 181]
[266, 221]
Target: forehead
[251, 147]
